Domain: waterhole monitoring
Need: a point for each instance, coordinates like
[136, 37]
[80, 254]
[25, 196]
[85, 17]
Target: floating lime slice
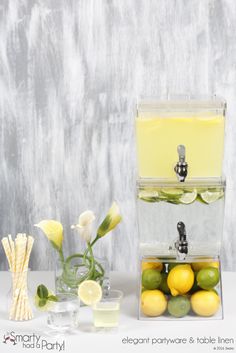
[173, 201]
[172, 192]
[171, 195]
[162, 197]
[188, 197]
[211, 196]
[149, 195]
[199, 199]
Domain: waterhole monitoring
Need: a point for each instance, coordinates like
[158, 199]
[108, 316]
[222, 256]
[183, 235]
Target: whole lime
[208, 277]
[151, 279]
[179, 306]
[164, 286]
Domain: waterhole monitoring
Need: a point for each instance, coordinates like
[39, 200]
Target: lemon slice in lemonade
[90, 292]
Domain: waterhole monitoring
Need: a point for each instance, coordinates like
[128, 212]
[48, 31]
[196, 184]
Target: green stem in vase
[94, 268]
[92, 264]
[100, 267]
[89, 249]
[91, 245]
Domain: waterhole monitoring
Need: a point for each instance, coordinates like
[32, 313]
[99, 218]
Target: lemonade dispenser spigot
[181, 244]
[181, 168]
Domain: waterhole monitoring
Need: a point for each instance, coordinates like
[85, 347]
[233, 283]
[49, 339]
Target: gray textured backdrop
[70, 72]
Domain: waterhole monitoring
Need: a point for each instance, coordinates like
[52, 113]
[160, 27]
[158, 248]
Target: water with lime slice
[64, 314]
[158, 219]
[181, 196]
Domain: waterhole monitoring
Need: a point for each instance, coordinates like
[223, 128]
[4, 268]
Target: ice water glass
[63, 315]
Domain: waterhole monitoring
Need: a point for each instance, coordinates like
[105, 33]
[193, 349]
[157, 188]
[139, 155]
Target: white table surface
[86, 339]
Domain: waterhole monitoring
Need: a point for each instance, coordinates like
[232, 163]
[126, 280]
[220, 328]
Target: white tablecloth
[131, 336]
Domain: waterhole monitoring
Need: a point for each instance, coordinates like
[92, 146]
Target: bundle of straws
[18, 254]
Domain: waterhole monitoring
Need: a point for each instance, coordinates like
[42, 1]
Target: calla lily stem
[95, 270]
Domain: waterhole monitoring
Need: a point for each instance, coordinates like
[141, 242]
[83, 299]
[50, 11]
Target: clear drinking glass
[63, 315]
[19, 297]
[106, 312]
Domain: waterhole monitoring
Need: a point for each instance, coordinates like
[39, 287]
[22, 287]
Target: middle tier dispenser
[180, 198]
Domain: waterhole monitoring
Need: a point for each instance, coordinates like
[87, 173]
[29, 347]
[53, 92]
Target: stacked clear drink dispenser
[180, 196]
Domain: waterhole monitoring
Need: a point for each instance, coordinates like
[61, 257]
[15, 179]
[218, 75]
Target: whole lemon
[180, 279]
[152, 265]
[197, 266]
[205, 303]
[153, 302]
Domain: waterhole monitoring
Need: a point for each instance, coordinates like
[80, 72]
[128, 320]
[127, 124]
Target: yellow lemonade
[106, 314]
[158, 137]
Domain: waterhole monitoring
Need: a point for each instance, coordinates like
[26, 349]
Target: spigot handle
[182, 230]
[181, 153]
[181, 244]
[181, 167]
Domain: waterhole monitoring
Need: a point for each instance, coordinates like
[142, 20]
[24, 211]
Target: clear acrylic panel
[199, 205]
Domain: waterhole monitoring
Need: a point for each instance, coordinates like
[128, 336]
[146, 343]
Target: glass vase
[75, 269]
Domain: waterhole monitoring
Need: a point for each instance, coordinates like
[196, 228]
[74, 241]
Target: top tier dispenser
[181, 137]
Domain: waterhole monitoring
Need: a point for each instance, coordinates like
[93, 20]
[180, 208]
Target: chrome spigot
[181, 244]
[181, 168]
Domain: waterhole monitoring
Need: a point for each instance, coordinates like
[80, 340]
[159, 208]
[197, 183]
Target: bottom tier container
[170, 289]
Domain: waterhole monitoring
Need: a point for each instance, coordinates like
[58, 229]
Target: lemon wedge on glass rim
[90, 292]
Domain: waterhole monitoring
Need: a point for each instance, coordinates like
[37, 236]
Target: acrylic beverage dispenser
[180, 202]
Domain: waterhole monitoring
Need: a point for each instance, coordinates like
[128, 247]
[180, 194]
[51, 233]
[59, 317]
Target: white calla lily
[85, 225]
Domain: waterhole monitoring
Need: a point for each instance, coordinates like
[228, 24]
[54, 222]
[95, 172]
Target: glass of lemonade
[106, 312]
[63, 315]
